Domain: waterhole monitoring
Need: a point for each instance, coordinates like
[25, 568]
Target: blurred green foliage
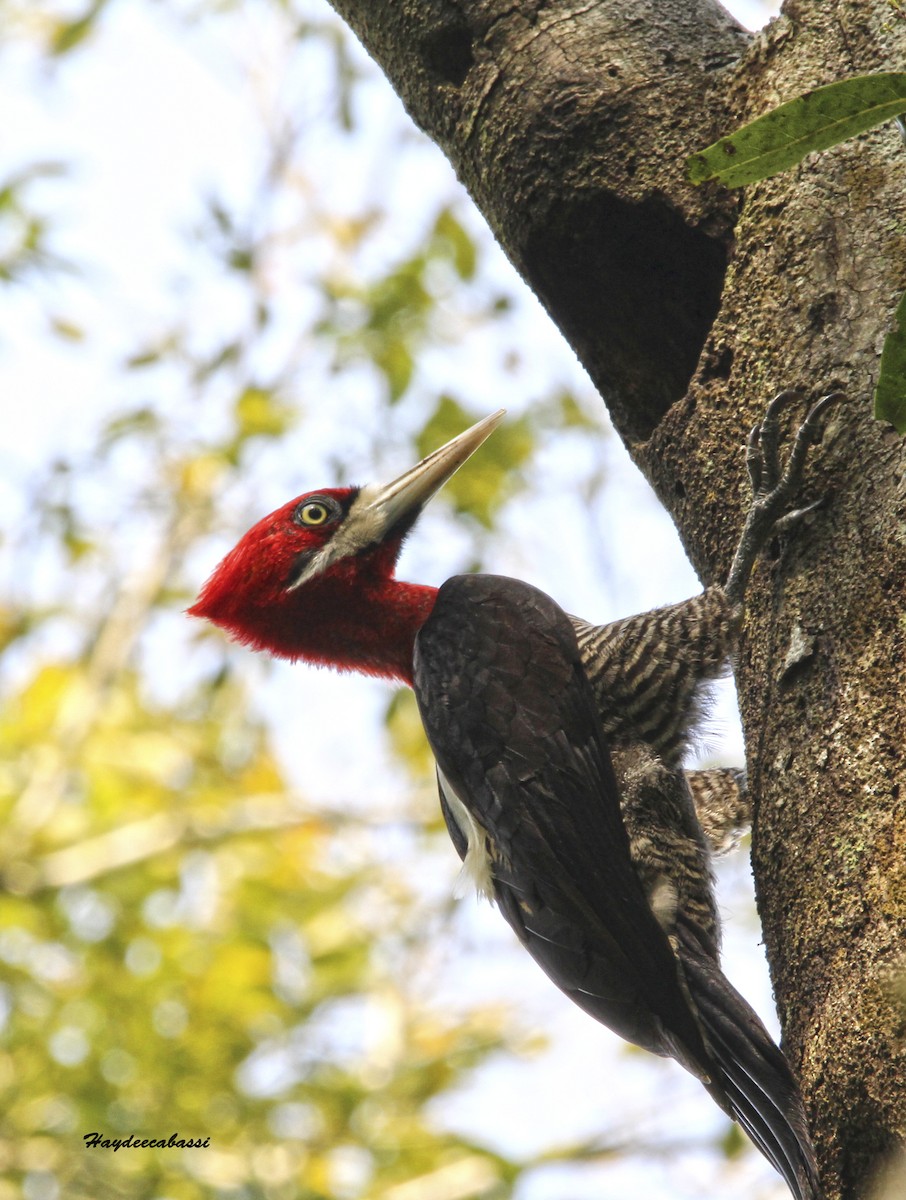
[25, 248]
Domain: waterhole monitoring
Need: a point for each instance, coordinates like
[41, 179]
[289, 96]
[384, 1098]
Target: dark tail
[753, 1074]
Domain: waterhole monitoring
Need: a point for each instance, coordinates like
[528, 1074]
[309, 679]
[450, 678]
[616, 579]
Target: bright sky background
[161, 117]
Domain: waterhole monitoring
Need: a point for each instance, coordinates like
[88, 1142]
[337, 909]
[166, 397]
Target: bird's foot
[774, 485]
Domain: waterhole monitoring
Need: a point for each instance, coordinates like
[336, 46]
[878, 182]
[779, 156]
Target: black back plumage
[511, 719]
[513, 722]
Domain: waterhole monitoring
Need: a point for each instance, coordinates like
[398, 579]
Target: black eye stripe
[298, 565]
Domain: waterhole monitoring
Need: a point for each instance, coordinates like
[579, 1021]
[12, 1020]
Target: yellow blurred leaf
[407, 735]
[260, 414]
[200, 476]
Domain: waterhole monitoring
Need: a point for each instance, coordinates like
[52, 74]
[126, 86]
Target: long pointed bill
[408, 493]
[379, 508]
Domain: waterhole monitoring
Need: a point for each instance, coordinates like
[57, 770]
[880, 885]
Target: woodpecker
[559, 749]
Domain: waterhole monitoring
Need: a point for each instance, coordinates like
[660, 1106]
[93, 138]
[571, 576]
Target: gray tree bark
[569, 122]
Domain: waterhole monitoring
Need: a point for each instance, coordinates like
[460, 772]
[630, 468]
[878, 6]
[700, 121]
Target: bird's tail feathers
[754, 1076]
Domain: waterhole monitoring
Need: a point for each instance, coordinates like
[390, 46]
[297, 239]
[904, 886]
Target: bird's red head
[315, 579]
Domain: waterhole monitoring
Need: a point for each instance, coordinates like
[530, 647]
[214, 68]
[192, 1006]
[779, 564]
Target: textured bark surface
[569, 124]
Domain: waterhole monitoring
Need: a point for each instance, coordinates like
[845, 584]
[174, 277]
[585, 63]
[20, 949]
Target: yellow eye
[314, 512]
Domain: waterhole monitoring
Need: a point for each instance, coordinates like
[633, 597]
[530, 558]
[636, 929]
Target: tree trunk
[569, 124]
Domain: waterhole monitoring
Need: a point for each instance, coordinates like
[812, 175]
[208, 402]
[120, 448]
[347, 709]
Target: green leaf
[70, 331]
[69, 34]
[395, 362]
[814, 121]
[890, 394]
[460, 246]
[259, 413]
[138, 422]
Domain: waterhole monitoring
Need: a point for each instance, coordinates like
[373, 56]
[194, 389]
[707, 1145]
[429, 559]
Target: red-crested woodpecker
[558, 747]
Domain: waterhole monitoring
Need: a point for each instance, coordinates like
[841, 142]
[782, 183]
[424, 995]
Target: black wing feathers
[512, 722]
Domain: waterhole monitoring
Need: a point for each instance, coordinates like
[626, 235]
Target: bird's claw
[762, 457]
[774, 485]
[782, 524]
